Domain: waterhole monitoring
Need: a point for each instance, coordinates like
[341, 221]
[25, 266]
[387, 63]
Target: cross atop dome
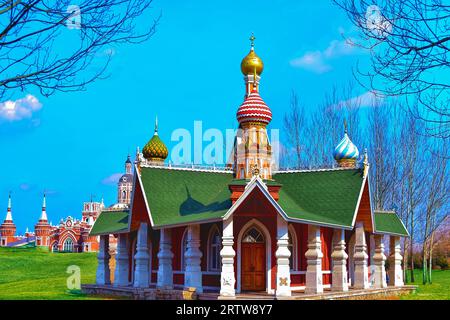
[252, 63]
[252, 40]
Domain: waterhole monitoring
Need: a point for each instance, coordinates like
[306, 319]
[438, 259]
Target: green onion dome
[155, 149]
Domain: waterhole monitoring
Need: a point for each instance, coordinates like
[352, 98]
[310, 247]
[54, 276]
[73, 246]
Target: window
[214, 250]
[291, 249]
[55, 247]
[253, 235]
[183, 250]
[68, 245]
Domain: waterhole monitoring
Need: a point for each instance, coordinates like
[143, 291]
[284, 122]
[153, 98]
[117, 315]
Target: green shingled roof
[328, 196]
[110, 222]
[184, 196]
[389, 223]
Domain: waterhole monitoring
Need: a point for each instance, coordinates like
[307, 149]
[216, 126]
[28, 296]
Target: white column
[314, 256]
[395, 263]
[378, 258]
[142, 259]
[165, 256]
[193, 256]
[360, 257]
[121, 272]
[103, 276]
[227, 277]
[282, 254]
[339, 257]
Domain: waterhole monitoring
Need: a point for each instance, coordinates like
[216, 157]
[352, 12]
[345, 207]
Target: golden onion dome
[155, 149]
[251, 62]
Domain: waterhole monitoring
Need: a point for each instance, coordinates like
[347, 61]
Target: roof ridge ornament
[366, 163]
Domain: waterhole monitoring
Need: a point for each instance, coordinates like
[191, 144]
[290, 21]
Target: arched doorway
[253, 260]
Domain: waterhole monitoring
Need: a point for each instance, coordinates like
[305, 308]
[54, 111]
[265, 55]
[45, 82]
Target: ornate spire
[252, 150]
[44, 210]
[8, 212]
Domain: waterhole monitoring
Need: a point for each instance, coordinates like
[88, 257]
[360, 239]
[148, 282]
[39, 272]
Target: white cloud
[319, 61]
[367, 99]
[338, 48]
[112, 179]
[312, 61]
[19, 109]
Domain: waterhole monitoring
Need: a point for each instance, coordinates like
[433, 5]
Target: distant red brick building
[71, 234]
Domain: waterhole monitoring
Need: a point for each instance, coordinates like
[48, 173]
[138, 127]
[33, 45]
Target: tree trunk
[430, 267]
[412, 249]
[424, 262]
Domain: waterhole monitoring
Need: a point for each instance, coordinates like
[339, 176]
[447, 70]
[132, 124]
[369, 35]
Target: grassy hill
[31, 273]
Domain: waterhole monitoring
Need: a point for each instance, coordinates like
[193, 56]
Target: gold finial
[252, 40]
[252, 61]
[345, 125]
[156, 124]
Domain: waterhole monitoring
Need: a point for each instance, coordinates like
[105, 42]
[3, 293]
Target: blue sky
[71, 144]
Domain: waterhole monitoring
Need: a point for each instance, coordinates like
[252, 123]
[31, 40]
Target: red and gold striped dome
[254, 109]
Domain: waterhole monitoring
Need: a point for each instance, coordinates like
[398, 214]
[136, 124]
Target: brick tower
[7, 228]
[43, 229]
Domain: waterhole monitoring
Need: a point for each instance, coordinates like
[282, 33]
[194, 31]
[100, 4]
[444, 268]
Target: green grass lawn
[31, 273]
[438, 290]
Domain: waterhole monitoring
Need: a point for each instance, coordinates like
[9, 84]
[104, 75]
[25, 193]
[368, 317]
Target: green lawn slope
[31, 273]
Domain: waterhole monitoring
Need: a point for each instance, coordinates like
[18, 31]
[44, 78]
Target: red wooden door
[253, 276]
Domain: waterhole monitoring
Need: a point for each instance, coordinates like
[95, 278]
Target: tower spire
[156, 124]
[128, 165]
[44, 210]
[252, 67]
[8, 212]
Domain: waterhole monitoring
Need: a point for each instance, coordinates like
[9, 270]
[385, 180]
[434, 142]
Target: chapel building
[248, 227]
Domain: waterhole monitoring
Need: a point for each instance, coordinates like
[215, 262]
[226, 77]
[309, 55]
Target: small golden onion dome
[155, 149]
[251, 62]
